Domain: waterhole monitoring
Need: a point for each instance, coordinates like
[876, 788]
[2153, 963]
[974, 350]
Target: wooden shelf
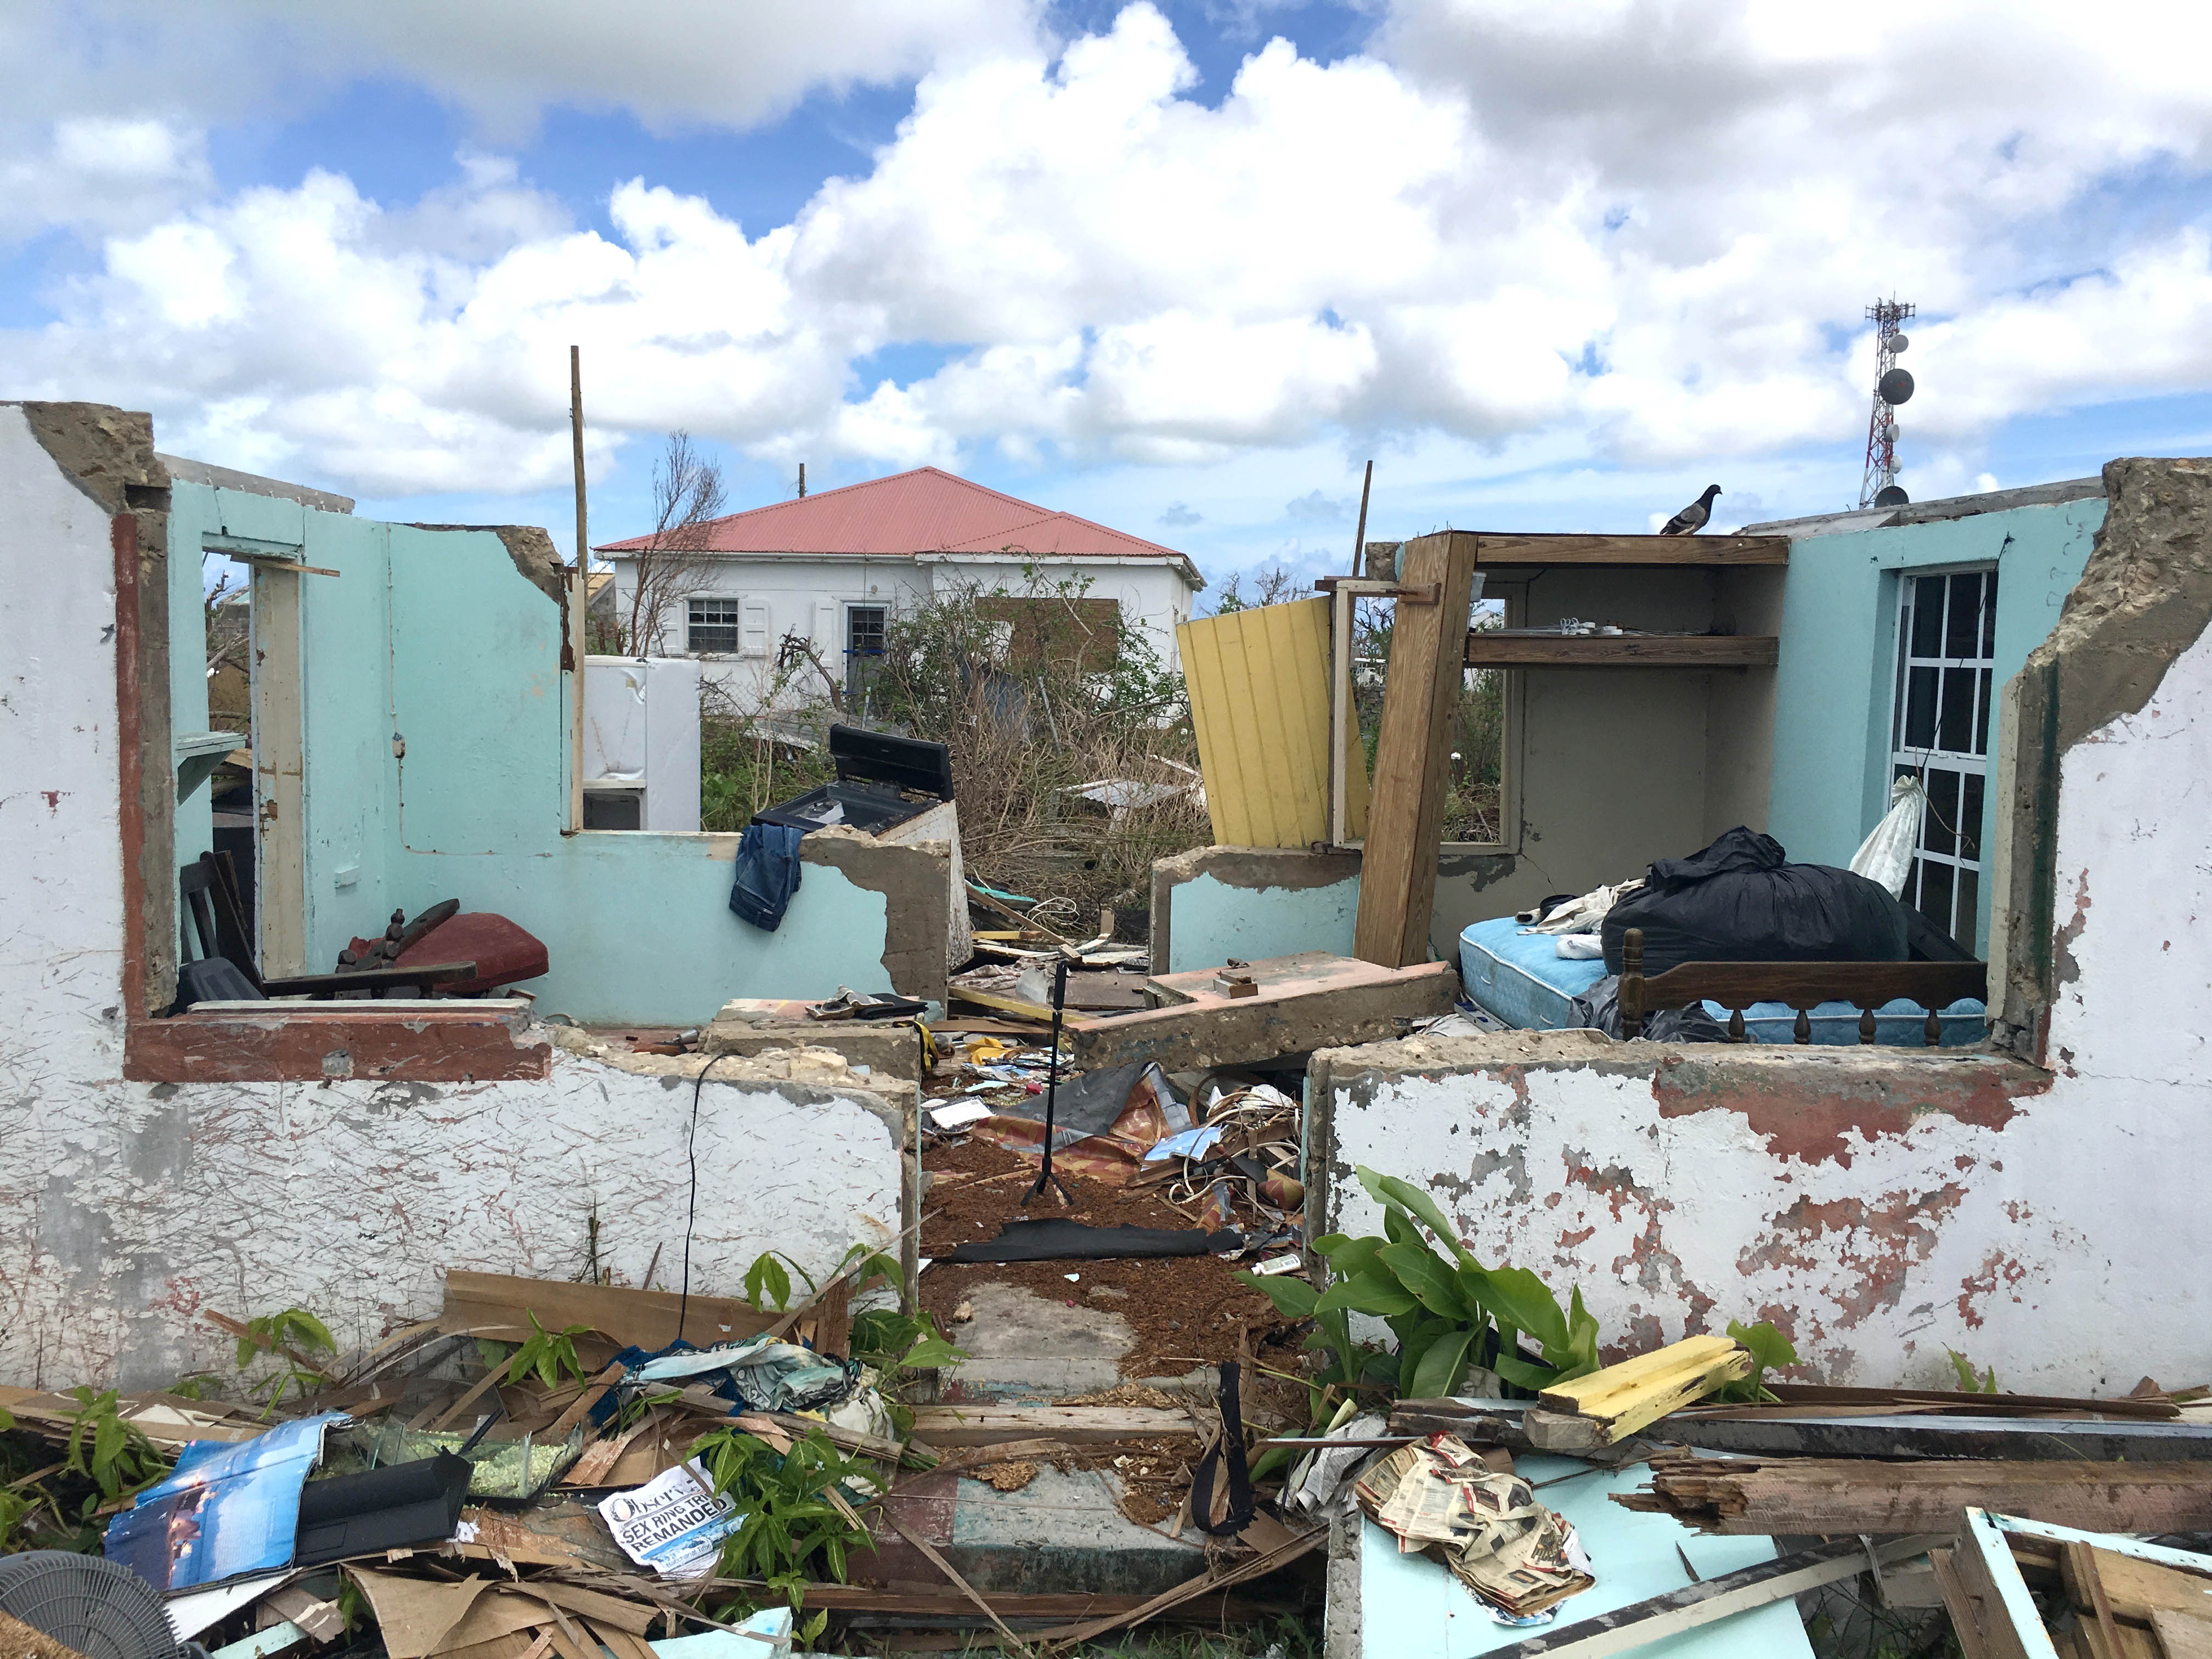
[1489, 648]
[1505, 548]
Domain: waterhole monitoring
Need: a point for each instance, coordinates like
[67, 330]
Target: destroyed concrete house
[1872, 1171]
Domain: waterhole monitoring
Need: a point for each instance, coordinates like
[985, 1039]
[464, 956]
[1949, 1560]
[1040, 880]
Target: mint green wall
[435, 636]
[1832, 686]
[1212, 921]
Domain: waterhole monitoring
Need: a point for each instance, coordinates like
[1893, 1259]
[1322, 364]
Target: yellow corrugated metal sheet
[1259, 699]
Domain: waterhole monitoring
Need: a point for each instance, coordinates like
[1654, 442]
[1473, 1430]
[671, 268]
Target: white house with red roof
[833, 568]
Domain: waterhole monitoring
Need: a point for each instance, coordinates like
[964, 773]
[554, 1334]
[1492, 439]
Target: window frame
[1970, 767]
[735, 624]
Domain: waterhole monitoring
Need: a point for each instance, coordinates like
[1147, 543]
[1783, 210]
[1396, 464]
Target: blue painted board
[1411, 1608]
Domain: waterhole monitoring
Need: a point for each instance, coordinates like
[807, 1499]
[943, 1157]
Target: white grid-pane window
[713, 626]
[1939, 731]
[865, 626]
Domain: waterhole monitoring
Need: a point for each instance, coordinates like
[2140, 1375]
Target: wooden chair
[1803, 986]
[209, 888]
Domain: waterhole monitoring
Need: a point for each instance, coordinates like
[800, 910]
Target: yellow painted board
[1637, 1392]
[1259, 697]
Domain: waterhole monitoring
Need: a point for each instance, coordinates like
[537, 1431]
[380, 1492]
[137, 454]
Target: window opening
[714, 627]
[1940, 732]
[865, 626]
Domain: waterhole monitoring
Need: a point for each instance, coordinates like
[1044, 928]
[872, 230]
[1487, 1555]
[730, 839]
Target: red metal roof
[924, 511]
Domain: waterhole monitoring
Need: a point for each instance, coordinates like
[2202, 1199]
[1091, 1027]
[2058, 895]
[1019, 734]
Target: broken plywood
[1300, 1003]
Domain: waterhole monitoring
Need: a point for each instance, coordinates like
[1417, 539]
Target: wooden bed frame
[1803, 985]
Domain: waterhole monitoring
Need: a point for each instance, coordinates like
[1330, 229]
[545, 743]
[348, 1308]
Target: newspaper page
[674, 1523]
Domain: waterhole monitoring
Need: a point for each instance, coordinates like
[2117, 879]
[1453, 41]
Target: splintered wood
[1609, 1406]
[1854, 1495]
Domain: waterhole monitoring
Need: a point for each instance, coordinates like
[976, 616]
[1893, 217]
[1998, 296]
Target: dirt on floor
[1187, 1313]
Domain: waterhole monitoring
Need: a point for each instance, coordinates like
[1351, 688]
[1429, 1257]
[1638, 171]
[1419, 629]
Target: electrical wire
[691, 1204]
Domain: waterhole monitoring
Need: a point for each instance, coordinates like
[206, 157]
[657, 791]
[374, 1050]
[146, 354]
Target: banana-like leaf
[1389, 1191]
[1529, 1374]
[1367, 1294]
[1433, 1284]
[1293, 1297]
[1354, 1257]
[1517, 1297]
[1581, 1356]
[1441, 1366]
[1399, 1229]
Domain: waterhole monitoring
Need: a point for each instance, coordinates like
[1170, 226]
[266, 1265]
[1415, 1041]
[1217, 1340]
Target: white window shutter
[753, 636]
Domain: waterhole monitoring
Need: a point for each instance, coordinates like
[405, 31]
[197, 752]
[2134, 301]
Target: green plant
[893, 1341]
[551, 1354]
[290, 1336]
[1446, 1310]
[1770, 1351]
[105, 1450]
[1968, 1382]
[792, 1512]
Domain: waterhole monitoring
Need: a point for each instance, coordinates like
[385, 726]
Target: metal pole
[581, 600]
[1052, 1090]
[1359, 536]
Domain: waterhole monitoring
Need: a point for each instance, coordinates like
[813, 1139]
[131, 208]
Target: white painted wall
[798, 594]
[129, 1210]
[2047, 1225]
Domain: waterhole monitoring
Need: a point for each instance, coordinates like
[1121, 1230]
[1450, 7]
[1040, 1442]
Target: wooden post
[1359, 536]
[580, 600]
[1428, 649]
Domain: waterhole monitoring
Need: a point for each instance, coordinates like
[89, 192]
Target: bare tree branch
[688, 495]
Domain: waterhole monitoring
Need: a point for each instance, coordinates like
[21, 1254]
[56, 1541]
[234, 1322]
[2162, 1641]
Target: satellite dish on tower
[1898, 342]
[1891, 495]
[1895, 387]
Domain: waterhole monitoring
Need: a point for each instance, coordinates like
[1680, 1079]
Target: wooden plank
[1398, 871]
[1798, 1396]
[497, 1306]
[1659, 1617]
[1073, 1425]
[2181, 1636]
[1770, 1435]
[1831, 1495]
[1495, 548]
[2134, 1590]
[1624, 1398]
[1243, 1030]
[1487, 648]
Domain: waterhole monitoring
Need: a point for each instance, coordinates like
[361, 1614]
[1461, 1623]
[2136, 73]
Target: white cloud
[1639, 234]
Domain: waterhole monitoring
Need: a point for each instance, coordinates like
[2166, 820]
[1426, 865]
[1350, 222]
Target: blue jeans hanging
[767, 873]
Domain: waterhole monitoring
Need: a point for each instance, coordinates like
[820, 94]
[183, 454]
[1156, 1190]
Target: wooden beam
[1398, 868]
[1495, 548]
[1487, 648]
[1245, 1030]
[1828, 1495]
[1073, 1425]
[1768, 1434]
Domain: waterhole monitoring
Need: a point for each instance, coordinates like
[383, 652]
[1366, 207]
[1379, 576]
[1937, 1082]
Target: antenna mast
[1891, 387]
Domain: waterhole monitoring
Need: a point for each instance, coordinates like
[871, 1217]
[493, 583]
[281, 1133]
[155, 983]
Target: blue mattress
[1523, 978]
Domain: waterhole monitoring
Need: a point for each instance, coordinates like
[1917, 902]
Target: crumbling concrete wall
[130, 1210]
[1883, 1206]
[1250, 903]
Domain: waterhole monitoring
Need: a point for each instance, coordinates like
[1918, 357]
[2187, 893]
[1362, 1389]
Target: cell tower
[1891, 387]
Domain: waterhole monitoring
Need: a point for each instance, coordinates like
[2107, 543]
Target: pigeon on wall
[1691, 519]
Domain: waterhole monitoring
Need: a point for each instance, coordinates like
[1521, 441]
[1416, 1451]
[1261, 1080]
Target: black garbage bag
[1740, 900]
[1599, 1010]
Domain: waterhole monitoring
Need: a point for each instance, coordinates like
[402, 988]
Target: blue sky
[1181, 267]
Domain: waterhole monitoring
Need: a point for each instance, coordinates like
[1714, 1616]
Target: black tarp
[1741, 900]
